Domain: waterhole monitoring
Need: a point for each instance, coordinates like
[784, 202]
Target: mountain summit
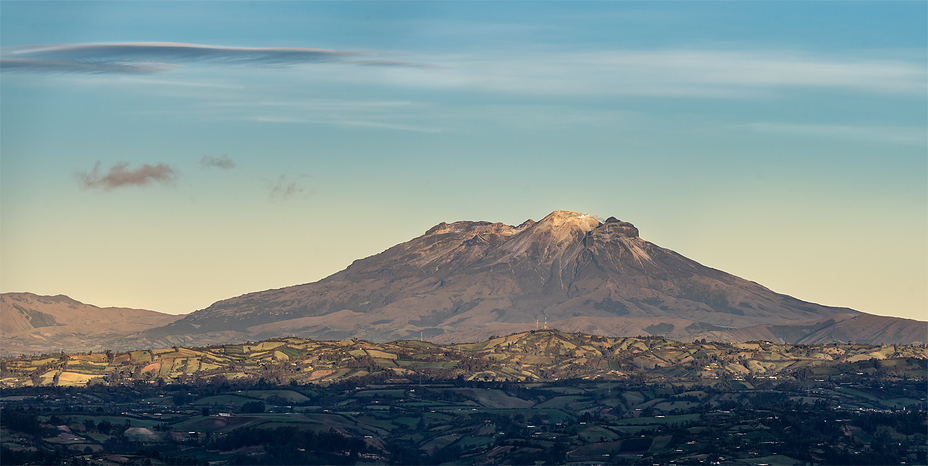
[468, 280]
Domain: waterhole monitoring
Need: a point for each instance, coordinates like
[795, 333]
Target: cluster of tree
[32, 457]
[253, 407]
[25, 421]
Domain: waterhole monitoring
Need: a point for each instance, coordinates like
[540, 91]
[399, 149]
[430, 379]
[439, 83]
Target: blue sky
[168, 155]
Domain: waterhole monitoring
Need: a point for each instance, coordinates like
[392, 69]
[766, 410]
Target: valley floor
[847, 419]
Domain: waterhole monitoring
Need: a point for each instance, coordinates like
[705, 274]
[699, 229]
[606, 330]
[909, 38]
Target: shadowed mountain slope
[465, 281]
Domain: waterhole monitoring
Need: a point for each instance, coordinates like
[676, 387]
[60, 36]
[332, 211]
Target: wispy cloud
[702, 73]
[66, 66]
[149, 57]
[767, 68]
[397, 115]
[286, 187]
[394, 64]
[120, 175]
[886, 134]
[358, 123]
[665, 73]
[199, 84]
[223, 162]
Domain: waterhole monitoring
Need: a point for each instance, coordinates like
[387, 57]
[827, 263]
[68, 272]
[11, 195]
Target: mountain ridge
[472, 279]
[34, 324]
[467, 280]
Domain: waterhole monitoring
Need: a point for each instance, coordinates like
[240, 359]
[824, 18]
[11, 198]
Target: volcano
[465, 281]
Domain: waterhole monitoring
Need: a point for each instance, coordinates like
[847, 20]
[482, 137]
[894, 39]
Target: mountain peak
[557, 220]
[566, 216]
[473, 227]
[568, 222]
[470, 279]
[622, 228]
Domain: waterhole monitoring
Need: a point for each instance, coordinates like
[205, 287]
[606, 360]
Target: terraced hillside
[542, 355]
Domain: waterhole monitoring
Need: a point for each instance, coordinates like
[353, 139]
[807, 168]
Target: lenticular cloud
[155, 56]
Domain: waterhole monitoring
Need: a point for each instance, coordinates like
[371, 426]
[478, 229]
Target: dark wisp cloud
[64, 66]
[286, 187]
[149, 57]
[223, 162]
[120, 175]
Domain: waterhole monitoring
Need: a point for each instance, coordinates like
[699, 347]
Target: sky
[168, 155]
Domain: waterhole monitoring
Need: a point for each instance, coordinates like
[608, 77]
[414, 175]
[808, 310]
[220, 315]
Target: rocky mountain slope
[31, 323]
[465, 281]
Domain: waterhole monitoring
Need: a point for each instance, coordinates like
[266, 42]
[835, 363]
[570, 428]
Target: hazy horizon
[165, 156]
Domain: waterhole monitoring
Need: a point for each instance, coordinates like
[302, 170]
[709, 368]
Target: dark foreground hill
[466, 281]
